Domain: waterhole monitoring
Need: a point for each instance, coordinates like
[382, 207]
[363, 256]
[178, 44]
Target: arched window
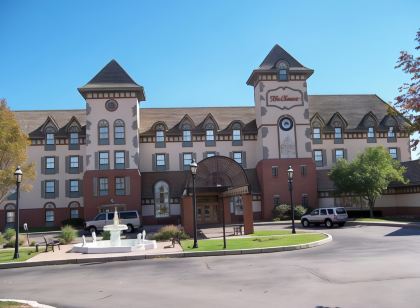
[283, 73]
[119, 132]
[161, 199]
[74, 210]
[103, 132]
[49, 213]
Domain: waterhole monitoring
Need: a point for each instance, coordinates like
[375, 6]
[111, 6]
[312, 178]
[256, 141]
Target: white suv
[129, 218]
[328, 216]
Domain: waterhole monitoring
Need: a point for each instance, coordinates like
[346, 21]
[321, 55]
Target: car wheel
[130, 229]
[305, 223]
[328, 223]
[92, 229]
[341, 224]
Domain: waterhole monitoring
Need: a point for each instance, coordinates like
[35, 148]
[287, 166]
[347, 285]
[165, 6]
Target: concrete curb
[385, 224]
[30, 303]
[170, 255]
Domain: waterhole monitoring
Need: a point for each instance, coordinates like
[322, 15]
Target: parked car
[129, 218]
[328, 216]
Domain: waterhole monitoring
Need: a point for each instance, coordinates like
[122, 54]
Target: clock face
[111, 105]
[286, 124]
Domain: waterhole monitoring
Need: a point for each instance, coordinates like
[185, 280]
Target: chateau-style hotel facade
[116, 154]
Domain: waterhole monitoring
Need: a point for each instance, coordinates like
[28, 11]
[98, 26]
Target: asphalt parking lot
[364, 266]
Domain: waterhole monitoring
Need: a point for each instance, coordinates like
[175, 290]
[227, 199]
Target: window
[187, 160]
[49, 164]
[103, 160]
[160, 136]
[50, 139]
[330, 211]
[120, 186]
[371, 132]
[74, 138]
[74, 162]
[119, 132]
[160, 160]
[50, 187]
[393, 152]
[237, 156]
[210, 154]
[276, 200]
[305, 201]
[318, 157]
[103, 186]
[391, 132]
[119, 159]
[323, 212]
[303, 170]
[316, 133]
[283, 74]
[103, 130]
[236, 134]
[338, 133]
[339, 154]
[161, 199]
[49, 216]
[100, 217]
[74, 213]
[209, 135]
[74, 185]
[274, 170]
[10, 217]
[186, 135]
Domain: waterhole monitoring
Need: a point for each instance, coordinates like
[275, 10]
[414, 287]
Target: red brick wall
[92, 203]
[279, 186]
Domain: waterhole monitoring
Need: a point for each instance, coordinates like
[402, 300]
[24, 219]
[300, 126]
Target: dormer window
[316, 135]
[391, 134]
[74, 138]
[160, 136]
[210, 139]
[236, 134]
[186, 136]
[50, 138]
[371, 135]
[338, 135]
[283, 73]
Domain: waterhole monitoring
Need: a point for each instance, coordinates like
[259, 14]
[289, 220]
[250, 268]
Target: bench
[237, 229]
[48, 243]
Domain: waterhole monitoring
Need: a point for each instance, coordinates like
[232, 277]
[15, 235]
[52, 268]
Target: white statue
[84, 240]
[94, 236]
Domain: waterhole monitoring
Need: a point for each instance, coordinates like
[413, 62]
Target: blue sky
[198, 53]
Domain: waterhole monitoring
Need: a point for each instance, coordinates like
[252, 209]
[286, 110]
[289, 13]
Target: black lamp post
[18, 174]
[290, 180]
[193, 168]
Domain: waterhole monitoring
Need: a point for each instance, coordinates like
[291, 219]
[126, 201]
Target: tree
[13, 144]
[368, 175]
[408, 102]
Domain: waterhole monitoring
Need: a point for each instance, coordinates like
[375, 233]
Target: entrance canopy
[220, 174]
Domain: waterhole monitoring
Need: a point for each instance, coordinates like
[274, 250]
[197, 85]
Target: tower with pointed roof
[282, 118]
[112, 141]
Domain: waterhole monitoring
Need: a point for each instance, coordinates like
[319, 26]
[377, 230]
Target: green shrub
[282, 212]
[74, 222]
[106, 235]
[167, 232]
[300, 211]
[11, 242]
[9, 233]
[33, 243]
[67, 235]
[1, 239]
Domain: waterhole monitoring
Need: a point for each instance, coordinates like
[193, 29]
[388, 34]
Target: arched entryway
[220, 181]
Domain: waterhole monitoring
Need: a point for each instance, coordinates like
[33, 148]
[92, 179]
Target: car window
[330, 211]
[315, 212]
[110, 216]
[323, 212]
[100, 217]
[128, 215]
[340, 210]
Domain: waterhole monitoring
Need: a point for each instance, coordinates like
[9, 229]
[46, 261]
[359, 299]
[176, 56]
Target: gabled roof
[112, 77]
[276, 54]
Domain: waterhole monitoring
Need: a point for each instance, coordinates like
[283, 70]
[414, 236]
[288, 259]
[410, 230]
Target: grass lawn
[252, 242]
[273, 232]
[10, 304]
[6, 255]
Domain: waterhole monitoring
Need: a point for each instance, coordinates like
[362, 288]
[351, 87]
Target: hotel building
[114, 153]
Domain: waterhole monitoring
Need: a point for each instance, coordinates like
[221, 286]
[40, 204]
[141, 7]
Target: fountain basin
[128, 245]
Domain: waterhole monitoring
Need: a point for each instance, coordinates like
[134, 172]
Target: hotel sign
[284, 98]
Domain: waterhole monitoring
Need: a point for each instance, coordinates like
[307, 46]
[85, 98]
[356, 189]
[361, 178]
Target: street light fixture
[193, 168]
[290, 180]
[18, 174]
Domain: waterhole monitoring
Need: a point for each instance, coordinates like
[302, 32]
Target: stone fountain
[115, 244]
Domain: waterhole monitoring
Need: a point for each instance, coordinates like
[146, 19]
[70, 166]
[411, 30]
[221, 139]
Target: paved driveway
[364, 266]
